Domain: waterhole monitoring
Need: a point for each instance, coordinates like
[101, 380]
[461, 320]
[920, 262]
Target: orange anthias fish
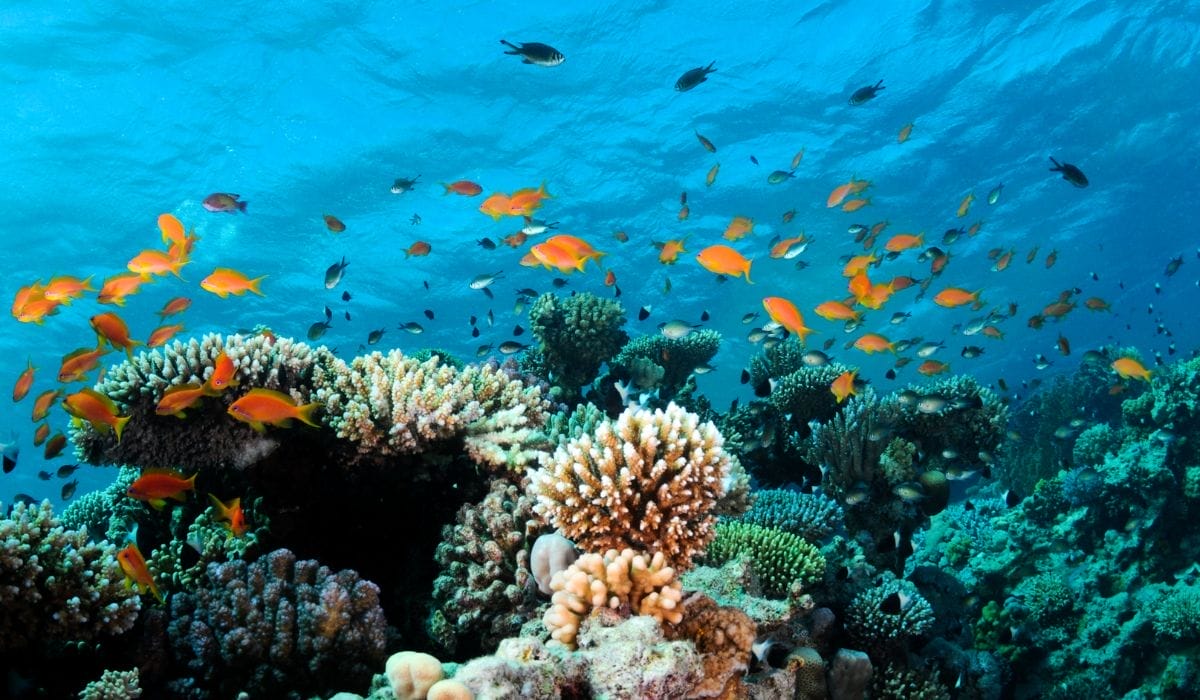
[855, 204]
[262, 407]
[136, 572]
[36, 310]
[873, 342]
[905, 132]
[41, 405]
[155, 486]
[418, 249]
[172, 229]
[76, 365]
[843, 387]
[162, 334]
[839, 194]
[965, 205]
[96, 408]
[904, 241]
[711, 177]
[116, 288]
[789, 248]
[553, 257]
[577, 248]
[27, 295]
[65, 288]
[24, 381]
[175, 306]
[1096, 304]
[1051, 258]
[857, 264]
[223, 374]
[109, 327]
[231, 514]
[40, 435]
[797, 158]
[668, 252]
[495, 206]
[837, 311]
[740, 227]
[177, 399]
[684, 212]
[527, 200]
[54, 446]
[1003, 261]
[1129, 368]
[515, 240]
[334, 224]
[723, 260]
[932, 367]
[951, 297]
[149, 263]
[464, 187]
[787, 315]
[225, 281]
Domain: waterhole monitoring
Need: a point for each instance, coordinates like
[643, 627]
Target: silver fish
[333, 275]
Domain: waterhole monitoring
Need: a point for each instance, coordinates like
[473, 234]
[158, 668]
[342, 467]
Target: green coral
[447, 358]
[1095, 442]
[779, 559]
[1170, 410]
[810, 516]
[576, 335]
[677, 356]
[1177, 616]
[805, 393]
[113, 685]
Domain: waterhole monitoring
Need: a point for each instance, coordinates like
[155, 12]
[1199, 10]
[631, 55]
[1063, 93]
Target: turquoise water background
[117, 112]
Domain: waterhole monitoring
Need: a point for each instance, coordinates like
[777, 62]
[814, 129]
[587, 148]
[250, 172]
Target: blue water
[117, 112]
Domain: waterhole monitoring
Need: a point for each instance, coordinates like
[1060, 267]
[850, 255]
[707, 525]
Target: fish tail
[119, 427]
[514, 46]
[448, 188]
[305, 413]
[748, 272]
[241, 206]
[543, 192]
[190, 484]
[253, 285]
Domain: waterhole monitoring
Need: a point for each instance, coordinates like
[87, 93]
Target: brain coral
[649, 481]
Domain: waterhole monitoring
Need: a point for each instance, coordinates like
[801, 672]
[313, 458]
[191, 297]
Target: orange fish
[175, 306]
[1064, 345]
[1058, 309]
[96, 408]
[905, 132]
[740, 227]
[76, 365]
[610, 278]
[25, 296]
[900, 282]
[723, 260]
[41, 405]
[1130, 368]
[24, 381]
[1003, 261]
[932, 367]
[515, 240]
[857, 264]
[155, 486]
[993, 332]
[1051, 259]
[787, 315]
[860, 286]
[952, 297]
[65, 288]
[418, 249]
[684, 212]
[181, 251]
[553, 257]
[839, 194]
[149, 263]
[876, 296]
[40, 435]
[797, 158]
[965, 205]
[873, 342]
[333, 223]
[857, 186]
[172, 229]
[708, 145]
[528, 200]
[54, 446]
[162, 334]
[225, 281]
[843, 387]
[231, 514]
[262, 407]
[904, 241]
[109, 327]
[789, 248]
[837, 311]
[974, 228]
[180, 397]
[36, 310]
[939, 263]
[223, 374]
[495, 206]
[1097, 304]
[116, 288]
[711, 177]
[855, 204]
[464, 187]
[136, 572]
[668, 252]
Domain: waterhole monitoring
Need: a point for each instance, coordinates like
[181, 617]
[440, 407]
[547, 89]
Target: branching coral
[113, 685]
[677, 356]
[884, 618]
[649, 480]
[55, 585]
[780, 560]
[577, 335]
[278, 625]
[393, 404]
[804, 394]
[811, 516]
[635, 581]
[484, 593]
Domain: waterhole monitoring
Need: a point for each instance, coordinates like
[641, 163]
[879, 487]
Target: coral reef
[882, 631]
[648, 481]
[576, 335]
[780, 560]
[804, 394]
[277, 627]
[483, 593]
[723, 636]
[677, 357]
[113, 685]
[57, 587]
[811, 516]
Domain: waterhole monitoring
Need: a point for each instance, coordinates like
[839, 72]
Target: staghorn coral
[576, 335]
[811, 516]
[649, 480]
[634, 581]
[677, 356]
[780, 560]
[278, 627]
[392, 404]
[55, 585]
[207, 437]
[113, 685]
[884, 634]
[483, 593]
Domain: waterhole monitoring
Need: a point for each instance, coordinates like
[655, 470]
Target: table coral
[55, 585]
[649, 481]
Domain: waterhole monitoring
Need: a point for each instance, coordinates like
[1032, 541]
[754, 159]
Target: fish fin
[305, 414]
[253, 285]
[157, 503]
[258, 426]
[241, 206]
[119, 427]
